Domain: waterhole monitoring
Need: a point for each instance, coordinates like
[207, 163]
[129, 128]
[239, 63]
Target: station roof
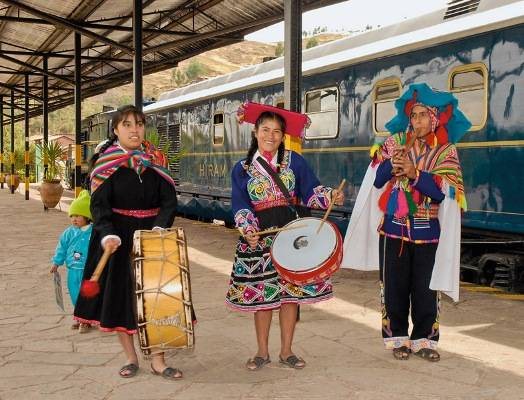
[173, 30]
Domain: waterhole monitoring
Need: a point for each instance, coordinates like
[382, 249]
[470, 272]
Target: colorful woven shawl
[115, 157]
[440, 160]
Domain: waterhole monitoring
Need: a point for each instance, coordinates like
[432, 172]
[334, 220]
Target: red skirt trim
[103, 328]
[153, 212]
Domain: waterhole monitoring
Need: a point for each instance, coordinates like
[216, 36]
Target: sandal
[293, 362]
[128, 370]
[257, 362]
[84, 328]
[428, 354]
[168, 373]
[75, 325]
[401, 353]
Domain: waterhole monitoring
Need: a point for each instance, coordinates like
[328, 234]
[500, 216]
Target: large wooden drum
[302, 256]
[163, 291]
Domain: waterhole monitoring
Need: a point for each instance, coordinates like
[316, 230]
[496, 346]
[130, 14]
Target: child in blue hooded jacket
[72, 247]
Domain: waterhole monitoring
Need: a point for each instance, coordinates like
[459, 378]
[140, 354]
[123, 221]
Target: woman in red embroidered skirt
[131, 190]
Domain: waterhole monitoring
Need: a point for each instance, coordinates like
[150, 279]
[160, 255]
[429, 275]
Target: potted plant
[12, 185]
[51, 190]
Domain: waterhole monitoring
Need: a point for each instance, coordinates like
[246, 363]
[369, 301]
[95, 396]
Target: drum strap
[298, 210]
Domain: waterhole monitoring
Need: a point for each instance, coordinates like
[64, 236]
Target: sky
[353, 15]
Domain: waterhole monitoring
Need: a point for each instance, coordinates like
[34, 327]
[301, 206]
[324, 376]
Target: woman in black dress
[131, 190]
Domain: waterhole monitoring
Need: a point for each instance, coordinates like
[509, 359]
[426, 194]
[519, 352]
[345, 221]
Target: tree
[195, 70]
[178, 77]
[312, 42]
[279, 50]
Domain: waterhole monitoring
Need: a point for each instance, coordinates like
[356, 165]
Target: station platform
[482, 340]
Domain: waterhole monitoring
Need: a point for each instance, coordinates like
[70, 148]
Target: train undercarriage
[493, 259]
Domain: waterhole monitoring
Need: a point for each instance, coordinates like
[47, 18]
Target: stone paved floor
[482, 344]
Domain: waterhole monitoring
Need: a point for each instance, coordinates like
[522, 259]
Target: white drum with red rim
[303, 256]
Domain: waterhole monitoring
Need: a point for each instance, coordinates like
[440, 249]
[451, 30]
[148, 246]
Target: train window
[384, 96]
[322, 109]
[469, 84]
[218, 129]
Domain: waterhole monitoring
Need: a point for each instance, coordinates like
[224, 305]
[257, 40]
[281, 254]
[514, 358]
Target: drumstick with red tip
[90, 288]
[272, 230]
[340, 187]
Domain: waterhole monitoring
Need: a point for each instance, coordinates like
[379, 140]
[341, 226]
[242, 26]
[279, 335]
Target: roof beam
[24, 20]
[5, 103]
[64, 23]
[20, 73]
[34, 68]
[130, 29]
[15, 89]
[92, 25]
[67, 56]
[213, 35]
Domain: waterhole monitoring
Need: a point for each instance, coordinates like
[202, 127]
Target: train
[349, 87]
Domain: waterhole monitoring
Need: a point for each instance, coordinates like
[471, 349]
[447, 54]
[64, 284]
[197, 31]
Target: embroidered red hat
[295, 122]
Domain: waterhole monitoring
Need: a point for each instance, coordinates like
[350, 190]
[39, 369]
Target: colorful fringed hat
[451, 125]
[295, 122]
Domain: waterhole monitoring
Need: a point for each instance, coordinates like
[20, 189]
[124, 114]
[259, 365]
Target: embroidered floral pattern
[321, 198]
[246, 220]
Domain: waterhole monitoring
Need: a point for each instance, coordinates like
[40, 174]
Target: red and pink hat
[295, 122]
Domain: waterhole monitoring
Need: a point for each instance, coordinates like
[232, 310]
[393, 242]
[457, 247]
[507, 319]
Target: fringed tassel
[402, 205]
[417, 198]
[411, 203]
[384, 198]
[392, 202]
[461, 200]
[458, 196]
[452, 192]
[375, 153]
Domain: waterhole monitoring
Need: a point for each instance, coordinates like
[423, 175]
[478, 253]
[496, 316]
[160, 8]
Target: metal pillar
[12, 153]
[293, 63]
[2, 177]
[78, 113]
[45, 110]
[26, 136]
[137, 55]
[293, 69]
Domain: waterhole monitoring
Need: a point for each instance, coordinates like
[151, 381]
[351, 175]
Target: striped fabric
[115, 157]
[440, 160]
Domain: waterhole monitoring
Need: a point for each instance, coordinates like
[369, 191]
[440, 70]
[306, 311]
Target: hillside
[214, 63]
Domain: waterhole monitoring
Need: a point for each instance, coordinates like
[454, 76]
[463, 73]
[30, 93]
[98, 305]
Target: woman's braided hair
[120, 115]
[254, 143]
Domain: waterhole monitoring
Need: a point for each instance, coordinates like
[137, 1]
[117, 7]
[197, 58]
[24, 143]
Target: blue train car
[349, 87]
